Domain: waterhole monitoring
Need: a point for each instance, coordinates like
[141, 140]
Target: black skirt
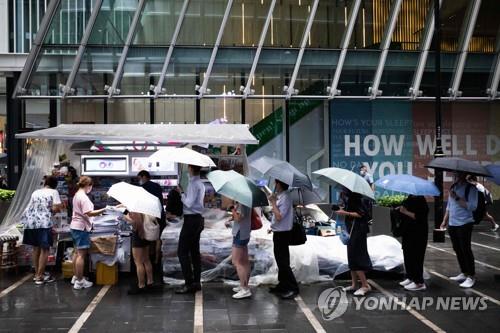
[357, 249]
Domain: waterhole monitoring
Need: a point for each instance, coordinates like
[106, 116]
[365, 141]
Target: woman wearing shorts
[37, 221]
[83, 210]
[242, 217]
[140, 252]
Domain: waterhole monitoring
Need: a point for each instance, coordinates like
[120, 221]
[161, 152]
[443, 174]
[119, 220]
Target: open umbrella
[181, 155]
[304, 196]
[237, 187]
[282, 171]
[350, 180]
[408, 184]
[494, 170]
[458, 164]
[136, 199]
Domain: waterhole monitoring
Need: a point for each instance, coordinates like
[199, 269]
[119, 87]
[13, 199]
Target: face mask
[141, 182]
[88, 190]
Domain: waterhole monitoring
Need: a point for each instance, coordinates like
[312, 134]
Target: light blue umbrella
[350, 180]
[282, 171]
[494, 169]
[237, 187]
[408, 184]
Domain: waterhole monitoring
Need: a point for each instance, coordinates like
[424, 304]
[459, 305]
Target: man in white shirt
[188, 249]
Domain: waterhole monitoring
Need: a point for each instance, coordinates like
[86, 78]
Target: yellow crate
[67, 269]
[106, 274]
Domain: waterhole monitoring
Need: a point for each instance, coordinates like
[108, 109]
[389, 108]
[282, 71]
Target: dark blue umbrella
[408, 184]
[494, 169]
[457, 164]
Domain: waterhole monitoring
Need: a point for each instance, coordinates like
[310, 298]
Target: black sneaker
[136, 291]
[186, 290]
[276, 290]
[48, 279]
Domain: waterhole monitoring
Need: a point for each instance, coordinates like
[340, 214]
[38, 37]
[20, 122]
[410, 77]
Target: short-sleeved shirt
[418, 206]
[457, 214]
[285, 206]
[38, 213]
[81, 205]
[244, 226]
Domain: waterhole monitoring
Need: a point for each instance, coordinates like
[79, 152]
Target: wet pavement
[57, 307]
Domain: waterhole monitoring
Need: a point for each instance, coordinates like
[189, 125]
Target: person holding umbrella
[188, 249]
[459, 218]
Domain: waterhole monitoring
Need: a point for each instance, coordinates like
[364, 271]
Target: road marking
[489, 235]
[88, 311]
[481, 245]
[15, 285]
[489, 298]
[198, 312]
[413, 312]
[309, 315]
[477, 261]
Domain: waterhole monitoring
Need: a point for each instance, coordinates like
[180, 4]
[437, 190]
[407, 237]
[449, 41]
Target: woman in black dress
[356, 219]
[414, 211]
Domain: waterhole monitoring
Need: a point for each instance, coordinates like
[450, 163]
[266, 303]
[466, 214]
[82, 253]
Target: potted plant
[5, 199]
[382, 213]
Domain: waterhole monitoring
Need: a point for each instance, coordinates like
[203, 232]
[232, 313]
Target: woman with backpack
[242, 217]
[140, 251]
[488, 200]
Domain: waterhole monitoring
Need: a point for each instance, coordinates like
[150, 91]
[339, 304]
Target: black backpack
[174, 203]
[480, 211]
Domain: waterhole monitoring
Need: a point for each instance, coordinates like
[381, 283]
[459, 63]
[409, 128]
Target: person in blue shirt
[188, 249]
[462, 202]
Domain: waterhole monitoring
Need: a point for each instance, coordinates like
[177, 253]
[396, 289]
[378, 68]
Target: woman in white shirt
[38, 223]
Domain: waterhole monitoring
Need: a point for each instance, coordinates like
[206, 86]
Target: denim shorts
[237, 242]
[81, 239]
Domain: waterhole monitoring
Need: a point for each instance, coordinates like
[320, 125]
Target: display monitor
[105, 165]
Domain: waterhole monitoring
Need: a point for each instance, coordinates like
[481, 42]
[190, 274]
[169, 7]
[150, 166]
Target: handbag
[256, 221]
[345, 236]
[297, 233]
[396, 223]
[151, 228]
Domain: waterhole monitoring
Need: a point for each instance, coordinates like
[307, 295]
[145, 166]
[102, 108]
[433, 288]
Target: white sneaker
[459, 278]
[415, 287]
[405, 282]
[468, 283]
[495, 228]
[243, 293]
[237, 289]
[350, 288]
[73, 279]
[362, 291]
[82, 284]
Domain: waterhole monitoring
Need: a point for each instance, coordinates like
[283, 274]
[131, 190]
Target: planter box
[4, 206]
[381, 221]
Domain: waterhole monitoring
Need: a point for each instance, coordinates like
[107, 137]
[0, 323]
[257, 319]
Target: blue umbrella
[494, 169]
[408, 184]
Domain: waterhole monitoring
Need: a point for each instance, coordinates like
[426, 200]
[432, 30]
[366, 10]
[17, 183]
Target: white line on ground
[88, 311]
[493, 235]
[482, 245]
[15, 285]
[198, 312]
[309, 315]
[489, 298]
[413, 312]
[477, 261]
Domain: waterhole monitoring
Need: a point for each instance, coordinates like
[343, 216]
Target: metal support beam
[203, 89]
[470, 22]
[36, 47]
[373, 91]
[495, 75]
[14, 124]
[182, 14]
[290, 89]
[425, 45]
[121, 63]
[247, 90]
[332, 89]
[68, 88]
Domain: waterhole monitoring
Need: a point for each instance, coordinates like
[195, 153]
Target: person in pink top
[83, 210]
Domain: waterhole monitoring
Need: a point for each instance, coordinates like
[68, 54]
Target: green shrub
[6, 195]
[391, 200]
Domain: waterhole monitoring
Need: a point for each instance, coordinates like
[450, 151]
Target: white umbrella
[346, 178]
[136, 199]
[282, 171]
[181, 155]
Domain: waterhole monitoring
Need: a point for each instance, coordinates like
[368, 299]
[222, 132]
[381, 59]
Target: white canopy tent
[166, 133]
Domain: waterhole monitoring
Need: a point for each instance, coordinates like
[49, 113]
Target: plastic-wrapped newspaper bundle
[318, 259]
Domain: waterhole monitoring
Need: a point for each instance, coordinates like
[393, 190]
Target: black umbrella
[458, 164]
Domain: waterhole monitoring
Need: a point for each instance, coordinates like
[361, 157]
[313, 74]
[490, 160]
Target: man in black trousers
[188, 249]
